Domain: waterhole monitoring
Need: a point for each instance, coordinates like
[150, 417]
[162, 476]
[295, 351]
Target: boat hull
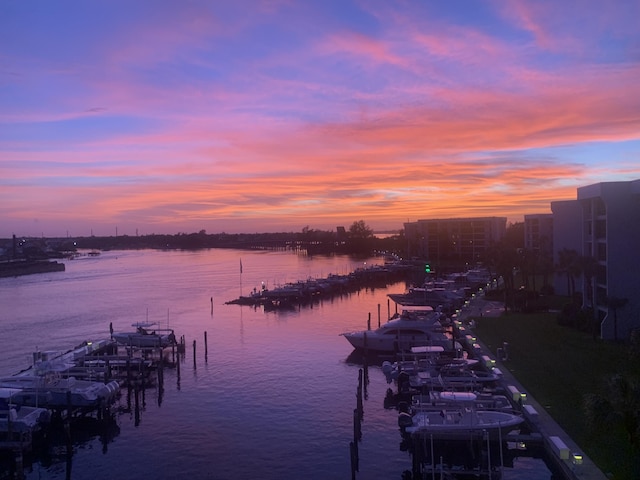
[446, 424]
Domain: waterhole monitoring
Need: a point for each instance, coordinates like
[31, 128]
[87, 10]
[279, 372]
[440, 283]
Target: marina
[279, 384]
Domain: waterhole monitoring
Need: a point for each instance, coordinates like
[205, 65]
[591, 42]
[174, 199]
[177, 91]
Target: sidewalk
[545, 424]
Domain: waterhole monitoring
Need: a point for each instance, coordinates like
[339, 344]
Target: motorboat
[417, 327]
[423, 358]
[54, 391]
[146, 335]
[455, 374]
[437, 400]
[15, 418]
[457, 415]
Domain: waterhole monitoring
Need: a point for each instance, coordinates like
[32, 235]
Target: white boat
[146, 335]
[456, 415]
[418, 327]
[20, 419]
[437, 400]
[52, 390]
[452, 375]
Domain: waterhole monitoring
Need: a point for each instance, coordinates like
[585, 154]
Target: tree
[360, 238]
[360, 230]
[568, 264]
[503, 258]
[620, 405]
[614, 303]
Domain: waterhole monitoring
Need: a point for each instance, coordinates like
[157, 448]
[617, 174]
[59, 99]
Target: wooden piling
[378, 315]
[194, 354]
[353, 449]
[206, 349]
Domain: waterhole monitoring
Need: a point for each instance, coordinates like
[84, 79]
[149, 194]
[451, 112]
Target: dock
[104, 367]
[561, 449]
[307, 292]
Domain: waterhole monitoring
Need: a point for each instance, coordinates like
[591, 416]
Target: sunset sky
[154, 116]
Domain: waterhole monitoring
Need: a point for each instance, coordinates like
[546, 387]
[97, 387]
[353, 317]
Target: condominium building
[603, 224]
[464, 239]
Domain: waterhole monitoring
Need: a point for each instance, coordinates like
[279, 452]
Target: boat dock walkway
[567, 455]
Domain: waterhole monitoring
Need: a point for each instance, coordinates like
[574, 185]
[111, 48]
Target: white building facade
[603, 225]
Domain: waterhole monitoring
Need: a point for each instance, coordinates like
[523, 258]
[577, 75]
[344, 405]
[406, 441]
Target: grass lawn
[557, 366]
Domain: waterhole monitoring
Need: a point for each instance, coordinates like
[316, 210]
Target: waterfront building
[461, 239]
[603, 226]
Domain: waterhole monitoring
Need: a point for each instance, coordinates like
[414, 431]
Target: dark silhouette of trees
[614, 303]
[568, 264]
[620, 404]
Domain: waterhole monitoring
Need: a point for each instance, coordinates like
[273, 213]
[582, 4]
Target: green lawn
[557, 366]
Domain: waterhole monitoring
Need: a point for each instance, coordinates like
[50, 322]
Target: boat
[456, 374]
[146, 335]
[441, 399]
[54, 391]
[419, 326]
[456, 415]
[423, 358]
[18, 418]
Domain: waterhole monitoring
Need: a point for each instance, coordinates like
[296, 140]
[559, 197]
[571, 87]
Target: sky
[157, 116]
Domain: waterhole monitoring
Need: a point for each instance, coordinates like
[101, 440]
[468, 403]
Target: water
[274, 397]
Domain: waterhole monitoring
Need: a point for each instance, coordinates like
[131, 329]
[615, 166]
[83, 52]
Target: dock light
[521, 446]
[523, 397]
[577, 459]
[427, 268]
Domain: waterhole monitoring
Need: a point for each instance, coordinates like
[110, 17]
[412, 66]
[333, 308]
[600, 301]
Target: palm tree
[620, 405]
[568, 264]
[503, 259]
[589, 268]
[614, 303]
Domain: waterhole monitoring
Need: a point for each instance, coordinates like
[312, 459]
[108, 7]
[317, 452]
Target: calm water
[274, 397]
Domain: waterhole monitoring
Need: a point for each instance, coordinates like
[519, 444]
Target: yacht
[417, 327]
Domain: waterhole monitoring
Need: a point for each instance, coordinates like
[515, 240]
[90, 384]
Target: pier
[306, 292]
[544, 430]
[481, 452]
[60, 390]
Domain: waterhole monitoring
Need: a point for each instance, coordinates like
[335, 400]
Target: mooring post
[136, 408]
[378, 315]
[369, 322]
[206, 348]
[194, 354]
[353, 448]
[388, 309]
[161, 372]
[177, 364]
[360, 407]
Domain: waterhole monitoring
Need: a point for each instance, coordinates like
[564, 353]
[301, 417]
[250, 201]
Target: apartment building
[604, 223]
[465, 239]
